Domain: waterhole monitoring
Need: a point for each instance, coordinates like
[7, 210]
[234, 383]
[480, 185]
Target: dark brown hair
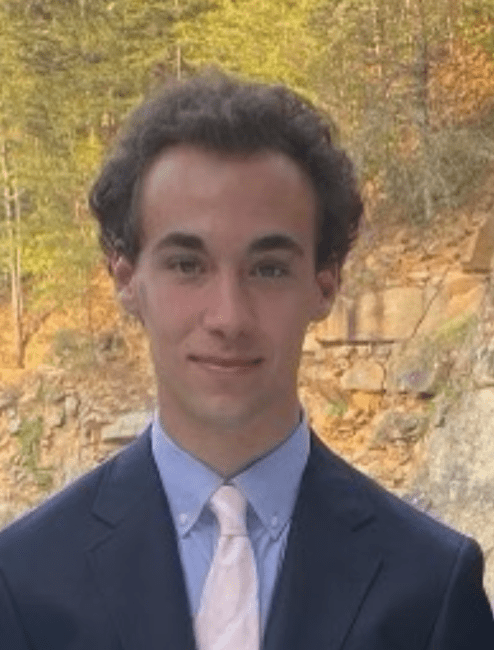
[223, 114]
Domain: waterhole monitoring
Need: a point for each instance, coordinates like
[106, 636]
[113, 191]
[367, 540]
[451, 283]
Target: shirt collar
[270, 483]
[188, 482]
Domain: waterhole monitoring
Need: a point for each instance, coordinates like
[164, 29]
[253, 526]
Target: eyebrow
[274, 241]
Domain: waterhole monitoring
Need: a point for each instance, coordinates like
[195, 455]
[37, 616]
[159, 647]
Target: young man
[226, 214]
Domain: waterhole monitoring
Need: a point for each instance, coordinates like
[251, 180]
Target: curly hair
[226, 115]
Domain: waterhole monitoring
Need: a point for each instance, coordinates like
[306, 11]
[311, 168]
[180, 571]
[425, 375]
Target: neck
[227, 450]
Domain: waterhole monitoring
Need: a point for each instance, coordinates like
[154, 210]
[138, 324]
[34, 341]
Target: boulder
[126, 427]
[54, 416]
[422, 369]
[8, 399]
[71, 406]
[392, 314]
[338, 325]
[364, 375]
[366, 402]
[397, 426]
[458, 296]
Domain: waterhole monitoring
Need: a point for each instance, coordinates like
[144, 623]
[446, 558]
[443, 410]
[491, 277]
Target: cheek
[173, 313]
[152, 306]
[286, 326]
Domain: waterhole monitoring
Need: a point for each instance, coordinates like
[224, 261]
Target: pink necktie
[228, 616]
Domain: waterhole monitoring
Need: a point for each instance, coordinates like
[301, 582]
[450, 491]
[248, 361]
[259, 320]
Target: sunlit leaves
[268, 40]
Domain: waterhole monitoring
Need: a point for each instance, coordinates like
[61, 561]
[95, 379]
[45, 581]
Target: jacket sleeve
[466, 620]
[12, 636]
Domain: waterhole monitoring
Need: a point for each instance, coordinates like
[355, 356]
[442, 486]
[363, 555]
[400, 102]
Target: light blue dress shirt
[270, 485]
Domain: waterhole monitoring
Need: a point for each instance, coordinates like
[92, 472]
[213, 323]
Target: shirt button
[183, 518]
[274, 521]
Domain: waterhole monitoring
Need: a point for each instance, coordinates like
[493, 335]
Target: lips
[227, 363]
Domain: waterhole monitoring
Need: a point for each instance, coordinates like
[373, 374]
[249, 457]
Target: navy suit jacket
[97, 567]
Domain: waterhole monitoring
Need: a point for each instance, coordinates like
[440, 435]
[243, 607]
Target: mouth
[227, 365]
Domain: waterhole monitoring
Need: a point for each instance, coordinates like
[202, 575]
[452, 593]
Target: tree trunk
[422, 108]
[18, 300]
[13, 219]
[451, 20]
[179, 49]
[179, 62]
[378, 38]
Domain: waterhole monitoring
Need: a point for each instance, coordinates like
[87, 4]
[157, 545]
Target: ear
[326, 289]
[123, 272]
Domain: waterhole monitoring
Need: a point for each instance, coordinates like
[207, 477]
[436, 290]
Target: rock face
[366, 375]
[420, 367]
[126, 427]
[458, 478]
[393, 426]
[480, 257]
[390, 314]
[398, 313]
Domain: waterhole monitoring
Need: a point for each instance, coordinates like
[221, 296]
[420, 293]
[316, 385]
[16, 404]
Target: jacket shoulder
[399, 521]
[69, 513]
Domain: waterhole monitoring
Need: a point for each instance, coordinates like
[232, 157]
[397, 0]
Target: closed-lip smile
[228, 363]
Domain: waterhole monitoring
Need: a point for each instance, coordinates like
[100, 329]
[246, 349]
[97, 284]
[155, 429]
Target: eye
[183, 265]
[273, 270]
[192, 267]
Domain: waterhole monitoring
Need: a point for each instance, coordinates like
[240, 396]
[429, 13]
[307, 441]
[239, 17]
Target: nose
[230, 310]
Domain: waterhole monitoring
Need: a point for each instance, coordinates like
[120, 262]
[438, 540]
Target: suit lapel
[136, 562]
[330, 561]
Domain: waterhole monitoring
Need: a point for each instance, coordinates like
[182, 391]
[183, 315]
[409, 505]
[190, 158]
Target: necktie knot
[230, 507]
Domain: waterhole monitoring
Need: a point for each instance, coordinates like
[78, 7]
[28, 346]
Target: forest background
[407, 84]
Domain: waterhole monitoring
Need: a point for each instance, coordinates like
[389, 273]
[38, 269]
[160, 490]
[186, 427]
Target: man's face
[225, 276]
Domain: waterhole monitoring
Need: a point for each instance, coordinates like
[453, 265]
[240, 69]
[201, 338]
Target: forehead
[234, 197]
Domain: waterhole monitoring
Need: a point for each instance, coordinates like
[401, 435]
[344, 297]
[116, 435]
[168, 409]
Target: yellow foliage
[88, 152]
[462, 84]
[268, 39]
[105, 312]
